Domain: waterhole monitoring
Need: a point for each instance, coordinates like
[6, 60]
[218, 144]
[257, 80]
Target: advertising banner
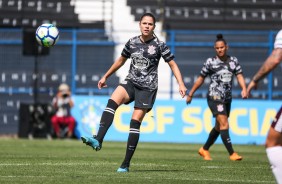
[174, 121]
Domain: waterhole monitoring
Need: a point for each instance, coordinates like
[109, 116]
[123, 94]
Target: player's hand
[252, 85]
[102, 83]
[244, 94]
[182, 90]
[188, 99]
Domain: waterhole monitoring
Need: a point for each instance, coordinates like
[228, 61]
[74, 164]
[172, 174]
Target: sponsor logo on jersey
[225, 76]
[139, 61]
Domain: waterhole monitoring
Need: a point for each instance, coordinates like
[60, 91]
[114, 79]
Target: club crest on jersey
[151, 49]
[232, 65]
[219, 107]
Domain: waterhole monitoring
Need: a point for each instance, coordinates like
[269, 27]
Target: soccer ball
[47, 35]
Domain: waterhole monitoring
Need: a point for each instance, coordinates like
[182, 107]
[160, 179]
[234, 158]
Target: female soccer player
[140, 85]
[221, 69]
[273, 142]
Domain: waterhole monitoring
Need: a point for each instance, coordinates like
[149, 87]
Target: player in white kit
[273, 142]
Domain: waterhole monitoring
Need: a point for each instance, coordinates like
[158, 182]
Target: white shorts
[277, 122]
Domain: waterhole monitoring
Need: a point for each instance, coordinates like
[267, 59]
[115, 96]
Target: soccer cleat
[120, 170]
[205, 154]
[91, 141]
[235, 157]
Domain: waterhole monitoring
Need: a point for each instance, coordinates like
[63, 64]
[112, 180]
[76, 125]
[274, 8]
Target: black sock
[132, 142]
[106, 119]
[226, 141]
[211, 139]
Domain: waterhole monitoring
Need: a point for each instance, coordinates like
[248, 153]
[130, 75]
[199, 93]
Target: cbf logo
[90, 111]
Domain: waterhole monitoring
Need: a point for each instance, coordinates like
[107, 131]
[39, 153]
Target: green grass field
[70, 161]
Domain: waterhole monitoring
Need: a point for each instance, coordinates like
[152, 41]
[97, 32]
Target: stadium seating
[215, 15]
[9, 106]
[138, 8]
[212, 14]
[17, 78]
[32, 13]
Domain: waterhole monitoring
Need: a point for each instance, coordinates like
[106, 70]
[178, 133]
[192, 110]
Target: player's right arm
[116, 65]
[270, 63]
[200, 80]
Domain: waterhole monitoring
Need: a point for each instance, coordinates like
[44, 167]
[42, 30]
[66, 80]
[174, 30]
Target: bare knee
[222, 122]
[273, 138]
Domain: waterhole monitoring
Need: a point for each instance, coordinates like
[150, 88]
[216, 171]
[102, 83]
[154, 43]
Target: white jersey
[278, 40]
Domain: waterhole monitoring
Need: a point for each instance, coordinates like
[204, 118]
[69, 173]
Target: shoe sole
[122, 170]
[237, 159]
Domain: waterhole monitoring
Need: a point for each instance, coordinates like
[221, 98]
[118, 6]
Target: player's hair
[219, 37]
[154, 20]
[148, 15]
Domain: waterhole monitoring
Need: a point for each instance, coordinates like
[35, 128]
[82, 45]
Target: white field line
[172, 179]
[75, 163]
[55, 164]
[25, 176]
[220, 167]
[108, 163]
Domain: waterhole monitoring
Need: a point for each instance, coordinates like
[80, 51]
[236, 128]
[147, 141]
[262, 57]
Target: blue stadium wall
[174, 121]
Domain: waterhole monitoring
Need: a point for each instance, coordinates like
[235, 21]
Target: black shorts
[217, 107]
[144, 99]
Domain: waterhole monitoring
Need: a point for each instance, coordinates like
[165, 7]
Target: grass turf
[70, 161]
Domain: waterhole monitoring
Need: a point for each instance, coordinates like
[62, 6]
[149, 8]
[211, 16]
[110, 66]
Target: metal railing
[73, 42]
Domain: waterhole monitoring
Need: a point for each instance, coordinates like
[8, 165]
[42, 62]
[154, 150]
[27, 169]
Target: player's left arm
[242, 83]
[115, 66]
[176, 72]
